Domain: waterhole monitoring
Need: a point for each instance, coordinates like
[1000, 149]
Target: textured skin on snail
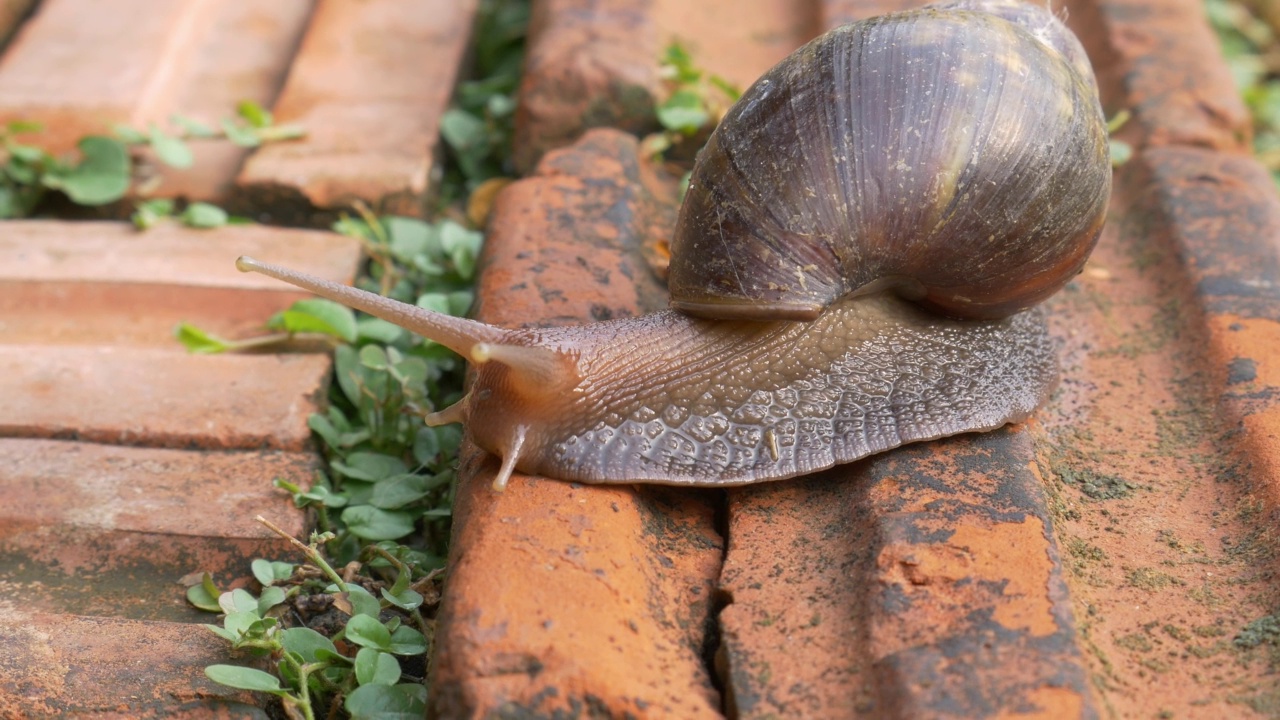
[881, 183]
[762, 401]
[949, 153]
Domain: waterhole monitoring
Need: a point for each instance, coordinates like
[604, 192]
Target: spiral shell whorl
[948, 153]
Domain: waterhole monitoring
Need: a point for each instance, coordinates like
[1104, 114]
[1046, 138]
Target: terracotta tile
[370, 83]
[596, 65]
[923, 582]
[106, 283]
[244, 54]
[55, 666]
[159, 398]
[1160, 448]
[1159, 60]
[105, 530]
[80, 66]
[563, 597]
[586, 65]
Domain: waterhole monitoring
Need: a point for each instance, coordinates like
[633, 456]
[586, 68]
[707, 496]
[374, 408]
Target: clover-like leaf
[243, 678]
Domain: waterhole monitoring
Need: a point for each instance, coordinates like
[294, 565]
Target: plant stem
[311, 552]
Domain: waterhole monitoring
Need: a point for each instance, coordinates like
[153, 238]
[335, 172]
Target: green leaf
[463, 131]
[352, 227]
[23, 127]
[379, 330]
[426, 446]
[324, 496]
[684, 112]
[198, 341]
[319, 316]
[371, 523]
[271, 597]
[28, 153]
[172, 151]
[410, 237]
[434, 301]
[324, 427]
[240, 135]
[396, 492]
[203, 215]
[1121, 152]
[371, 466]
[193, 128]
[222, 633]
[244, 678]
[367, 631]
[129, 135]
[240, 624]
[680, 63]
[204, 595]
[407, 641]
[148, 213]
[306, 643]
[101, 177]
[407, 600]
[238, 600]
[374, 667]
[254, 114]
[270, 572]
[382, 702]
[374, 357]
[461, 245]
[362, 602]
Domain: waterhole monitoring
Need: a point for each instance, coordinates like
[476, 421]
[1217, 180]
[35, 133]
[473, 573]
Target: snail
[854, 267]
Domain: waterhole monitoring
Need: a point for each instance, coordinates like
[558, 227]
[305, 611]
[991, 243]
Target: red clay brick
[563, 597]
[586, 65]
[158, 398]
[106, 283]
[370, 83]
[107, 531]
[244, 55]
[55, 666]
[596, 65]
[922, 583]
[80, 66]
[168, 500]
[1158, 59]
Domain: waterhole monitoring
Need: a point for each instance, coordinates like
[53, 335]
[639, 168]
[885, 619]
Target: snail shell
[950, 156]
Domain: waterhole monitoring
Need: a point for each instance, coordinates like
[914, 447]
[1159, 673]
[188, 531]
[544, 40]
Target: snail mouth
[764, 311]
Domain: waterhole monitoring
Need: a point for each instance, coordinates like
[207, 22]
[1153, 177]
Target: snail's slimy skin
[673, 400]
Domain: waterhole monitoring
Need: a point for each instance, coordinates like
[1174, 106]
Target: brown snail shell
[676, 399]
[947, 153]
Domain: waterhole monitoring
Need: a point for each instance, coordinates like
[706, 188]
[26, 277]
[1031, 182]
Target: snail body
[844, 282]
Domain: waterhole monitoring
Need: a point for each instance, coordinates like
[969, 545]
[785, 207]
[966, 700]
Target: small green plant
[1121, 151]
[359, 666]
[695, 103]
[105, 168]
[383, 508]
[478, 128]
